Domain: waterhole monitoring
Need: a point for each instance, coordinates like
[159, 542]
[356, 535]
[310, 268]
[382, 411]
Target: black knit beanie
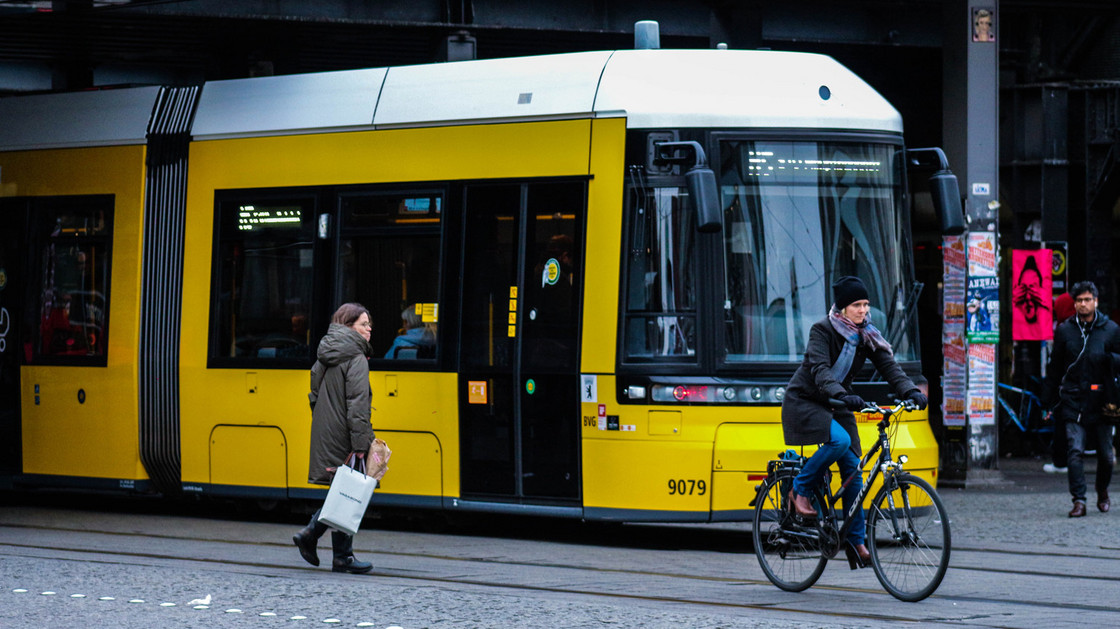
[848, 289]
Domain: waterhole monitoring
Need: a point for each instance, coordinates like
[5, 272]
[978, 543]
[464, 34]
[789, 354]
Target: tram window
[660, 302]
[389, 260]
[73, 238]
[797, 215]
[265, 264]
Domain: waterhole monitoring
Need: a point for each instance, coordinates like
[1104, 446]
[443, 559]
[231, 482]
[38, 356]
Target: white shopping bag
[347, 500]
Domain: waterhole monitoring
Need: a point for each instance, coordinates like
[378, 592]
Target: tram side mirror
[947, 201]
[702, 188]
[943, 188]
[700, 179]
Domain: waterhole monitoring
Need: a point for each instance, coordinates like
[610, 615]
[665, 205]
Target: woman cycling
[838, 346]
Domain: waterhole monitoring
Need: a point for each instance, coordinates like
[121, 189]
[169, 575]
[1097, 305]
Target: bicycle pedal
[805, 520]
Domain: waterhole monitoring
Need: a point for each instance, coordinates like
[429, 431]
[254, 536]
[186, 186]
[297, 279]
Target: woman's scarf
[852, 335]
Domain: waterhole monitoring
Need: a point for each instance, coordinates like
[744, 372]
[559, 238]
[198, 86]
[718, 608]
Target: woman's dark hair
[1084, 287]
[347, 314]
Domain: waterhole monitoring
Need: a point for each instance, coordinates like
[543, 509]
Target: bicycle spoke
[909, 538]
[788, 552]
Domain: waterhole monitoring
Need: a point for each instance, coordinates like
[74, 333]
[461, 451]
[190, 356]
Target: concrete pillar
[971, 138]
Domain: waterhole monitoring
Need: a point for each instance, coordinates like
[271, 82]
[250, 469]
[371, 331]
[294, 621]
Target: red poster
[1031, 317]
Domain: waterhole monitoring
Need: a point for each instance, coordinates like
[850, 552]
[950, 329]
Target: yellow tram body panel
[692, 462]
[416, 412]
[603, 248]
[82, 421]
[531, 149]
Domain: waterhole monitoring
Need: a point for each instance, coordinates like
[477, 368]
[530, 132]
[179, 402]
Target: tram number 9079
[688, 487]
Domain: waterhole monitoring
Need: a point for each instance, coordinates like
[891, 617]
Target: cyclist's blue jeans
[838, 449]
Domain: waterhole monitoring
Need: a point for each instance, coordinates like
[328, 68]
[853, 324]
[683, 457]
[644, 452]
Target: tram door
[13, 217]
[519, 380]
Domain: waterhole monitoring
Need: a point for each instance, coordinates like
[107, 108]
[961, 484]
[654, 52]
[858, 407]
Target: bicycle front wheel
[788, 550]
[908, 537]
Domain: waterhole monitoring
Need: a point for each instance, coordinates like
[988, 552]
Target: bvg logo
[5, 325]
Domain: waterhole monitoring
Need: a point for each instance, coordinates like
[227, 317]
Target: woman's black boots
[307, 540]
[344, 559]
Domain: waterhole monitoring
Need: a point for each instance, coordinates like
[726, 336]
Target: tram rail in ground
[684, 569]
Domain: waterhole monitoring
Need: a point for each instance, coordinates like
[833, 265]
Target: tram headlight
[779, 393]
[756, 393]
[729, 393]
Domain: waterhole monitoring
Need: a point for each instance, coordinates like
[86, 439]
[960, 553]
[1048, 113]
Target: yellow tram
[579, 316]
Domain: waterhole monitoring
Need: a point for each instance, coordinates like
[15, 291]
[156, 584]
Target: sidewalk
[1028, 508]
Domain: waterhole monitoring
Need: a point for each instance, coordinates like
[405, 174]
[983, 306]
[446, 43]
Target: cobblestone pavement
[1019, 509]
[1025, 506]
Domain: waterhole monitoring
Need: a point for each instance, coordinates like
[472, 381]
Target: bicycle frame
[882, 447]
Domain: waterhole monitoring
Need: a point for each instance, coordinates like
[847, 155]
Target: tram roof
[93, 118]
[651, 88]
[663, 88]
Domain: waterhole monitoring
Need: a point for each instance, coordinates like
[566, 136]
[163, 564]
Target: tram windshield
[798, 215]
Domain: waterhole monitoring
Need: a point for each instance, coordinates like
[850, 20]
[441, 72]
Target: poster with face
[1031, 303]
[983, 25]
[982, 310]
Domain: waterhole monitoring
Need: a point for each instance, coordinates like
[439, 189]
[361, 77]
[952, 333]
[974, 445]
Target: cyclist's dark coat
[1078, 402]
[806, 416]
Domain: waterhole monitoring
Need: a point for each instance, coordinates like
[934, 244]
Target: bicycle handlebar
[875, 408]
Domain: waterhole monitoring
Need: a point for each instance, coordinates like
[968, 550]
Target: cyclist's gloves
[853, 402]
[916, 397]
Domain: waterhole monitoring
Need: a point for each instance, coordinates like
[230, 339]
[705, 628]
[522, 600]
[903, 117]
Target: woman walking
[838, 346]
[340, 422]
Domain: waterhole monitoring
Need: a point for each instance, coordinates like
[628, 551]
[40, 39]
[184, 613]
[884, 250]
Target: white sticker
[981, 189]
[589, 388]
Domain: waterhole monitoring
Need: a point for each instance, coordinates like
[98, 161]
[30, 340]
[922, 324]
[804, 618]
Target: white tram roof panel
[740, 88]
[292, 103]
[74, 119]
[541, 87]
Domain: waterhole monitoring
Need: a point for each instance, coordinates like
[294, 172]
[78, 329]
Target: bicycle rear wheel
[788, 551]
[908, 537]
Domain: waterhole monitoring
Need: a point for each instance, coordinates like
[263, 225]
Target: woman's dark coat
[340, 402]
[806, 414]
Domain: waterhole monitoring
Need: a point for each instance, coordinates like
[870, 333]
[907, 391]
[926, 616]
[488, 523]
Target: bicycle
[1024, 426]
[908, 532]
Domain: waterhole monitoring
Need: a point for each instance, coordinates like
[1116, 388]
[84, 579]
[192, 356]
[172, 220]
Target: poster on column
[982, 310]
[954, 368]
[954, 267]
[1031, 314]
[981, 384]
[981, 254]
[954, 371]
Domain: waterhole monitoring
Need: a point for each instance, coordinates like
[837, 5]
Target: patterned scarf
[852, 335]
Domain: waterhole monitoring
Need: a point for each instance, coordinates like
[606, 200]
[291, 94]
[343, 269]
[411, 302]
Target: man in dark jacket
[1073, 390]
